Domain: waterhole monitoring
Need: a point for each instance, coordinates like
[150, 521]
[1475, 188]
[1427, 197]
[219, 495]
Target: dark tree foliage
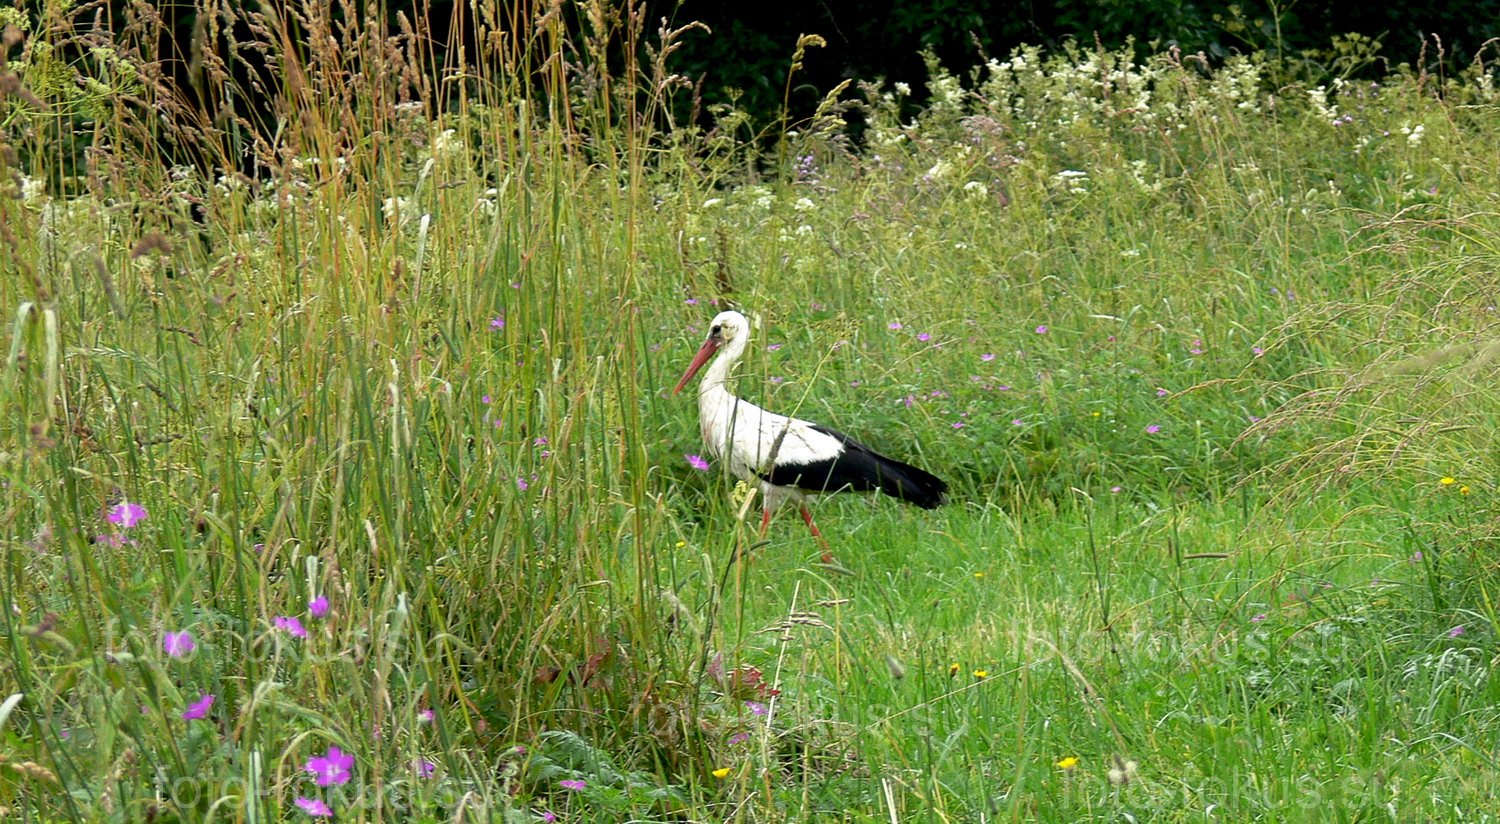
[748, 53]
[870, 39]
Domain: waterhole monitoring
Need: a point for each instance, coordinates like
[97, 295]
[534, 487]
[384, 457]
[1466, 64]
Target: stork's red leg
[807, 516]
[765, 520]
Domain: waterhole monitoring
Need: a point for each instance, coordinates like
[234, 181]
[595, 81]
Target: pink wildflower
[289, 625]
[178, 644]
[126, 515]
[314, 807]
[331, 768]
[198, 709]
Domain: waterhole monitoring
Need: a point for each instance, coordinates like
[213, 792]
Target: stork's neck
[718, 371]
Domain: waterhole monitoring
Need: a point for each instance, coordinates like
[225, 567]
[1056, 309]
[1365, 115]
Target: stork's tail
[910, 484]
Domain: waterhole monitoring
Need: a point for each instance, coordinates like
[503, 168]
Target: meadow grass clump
[349, 483]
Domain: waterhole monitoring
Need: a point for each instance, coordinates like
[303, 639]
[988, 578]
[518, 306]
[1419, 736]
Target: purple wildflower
[290, 625]
[318, 607]
[423, 769]
[1117, 489]
[895, 324]
[958, 424]
[497, 323]
[1153, 429]
[484, 399]
[178, 644]
[549, 816]
[332, 768]
[739, 738]
[522, 485]
[1042, 330]
[755, 707]
[924, 337]
[572, 784]
[1017, 422]
[691, 301]
[697, 462]
[314, 807]
[1257, 351]
[1456, 631]
[987, 357]
[1256, 619]
[426, 716]
[1162, 393]
[126, 515]
[198, 709]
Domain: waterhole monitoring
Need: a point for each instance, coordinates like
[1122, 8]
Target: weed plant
[365, 495]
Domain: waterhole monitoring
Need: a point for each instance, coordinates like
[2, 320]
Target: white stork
[791, 458]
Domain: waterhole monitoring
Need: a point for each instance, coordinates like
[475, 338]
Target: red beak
[710, 346]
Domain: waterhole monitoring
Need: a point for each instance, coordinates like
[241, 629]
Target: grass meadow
[366, 498]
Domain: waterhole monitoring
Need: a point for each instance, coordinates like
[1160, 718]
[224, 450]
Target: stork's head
[725, 329]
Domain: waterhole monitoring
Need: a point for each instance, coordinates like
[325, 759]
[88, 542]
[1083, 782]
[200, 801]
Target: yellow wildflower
[981, 673]
[1096, 413]
[1463, 490]
[1448, 481]
[722, 772]
[1067, 763]
[681, 544]
[952, 669]
[979, 575]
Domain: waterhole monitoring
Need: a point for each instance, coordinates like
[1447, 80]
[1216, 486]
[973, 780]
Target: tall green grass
[1200, 540]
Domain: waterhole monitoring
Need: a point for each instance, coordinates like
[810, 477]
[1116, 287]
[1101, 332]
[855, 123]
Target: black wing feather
[861, 469]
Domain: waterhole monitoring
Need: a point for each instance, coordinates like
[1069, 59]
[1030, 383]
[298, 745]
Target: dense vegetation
[359, 489]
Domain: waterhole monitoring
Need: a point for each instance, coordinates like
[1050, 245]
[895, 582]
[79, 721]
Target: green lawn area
[368, 495]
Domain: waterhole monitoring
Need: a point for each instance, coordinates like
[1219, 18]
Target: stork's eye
[717, 329]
